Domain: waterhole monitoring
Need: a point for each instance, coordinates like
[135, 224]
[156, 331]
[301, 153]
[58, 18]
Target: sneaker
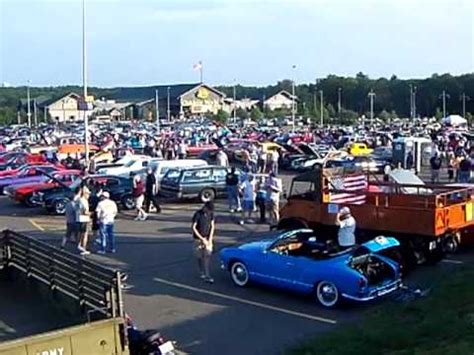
[101, 252]
[209, 280]
[85, 252]
[241, 222]
[144, 217]
[231, 210]
[81, 249]
[113, 251]
[202, 277]
[239, 209]
[137, 218]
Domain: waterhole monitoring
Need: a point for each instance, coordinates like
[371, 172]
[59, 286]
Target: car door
[197, 179]
[219, 176]
[275, 269]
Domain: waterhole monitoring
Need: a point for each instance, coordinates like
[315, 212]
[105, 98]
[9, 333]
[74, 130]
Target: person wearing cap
[203, 228]
[106, 212]
[347, 226]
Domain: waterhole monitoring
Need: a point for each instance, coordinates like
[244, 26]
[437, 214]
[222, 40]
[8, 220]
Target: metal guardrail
[94, 287]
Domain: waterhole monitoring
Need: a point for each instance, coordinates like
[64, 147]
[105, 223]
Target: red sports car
[24, 193]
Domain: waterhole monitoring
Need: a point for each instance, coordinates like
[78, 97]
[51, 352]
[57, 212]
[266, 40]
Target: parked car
[56, 198]
[161, 167]
[298, 261]
[205, 183]
[136, 165]
[24, 193]
[29, 174]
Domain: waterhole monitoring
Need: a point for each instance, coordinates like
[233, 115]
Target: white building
[244, 104]
[281, 100]
[66, 109]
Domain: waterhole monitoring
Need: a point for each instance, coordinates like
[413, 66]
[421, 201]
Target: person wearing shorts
[203, 227]
[72, 229]
[83, 219]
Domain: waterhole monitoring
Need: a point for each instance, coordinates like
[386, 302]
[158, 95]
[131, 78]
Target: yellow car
[358, 149]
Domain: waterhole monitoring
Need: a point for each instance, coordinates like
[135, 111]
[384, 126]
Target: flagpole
[200, 71]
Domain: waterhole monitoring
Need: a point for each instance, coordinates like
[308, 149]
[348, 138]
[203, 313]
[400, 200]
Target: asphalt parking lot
[167, 293]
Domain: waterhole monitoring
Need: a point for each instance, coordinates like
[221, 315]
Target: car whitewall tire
[327, 294]
[239, 274]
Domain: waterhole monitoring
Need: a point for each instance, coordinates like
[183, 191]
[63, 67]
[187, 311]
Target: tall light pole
[321, 99]
[411, 101]
[157, 107]
[35, 113]
[84, 82]
[443, 96]
[234, 103]
[28, 114]
[464, 98]
[293, 113]
[414, 102]
[371, 97]
[168, 104]
[339, 100]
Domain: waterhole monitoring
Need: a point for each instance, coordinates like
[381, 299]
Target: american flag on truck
[342, 186]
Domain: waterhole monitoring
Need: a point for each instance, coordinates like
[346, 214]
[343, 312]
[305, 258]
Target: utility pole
[411, 101]
[443, 96]
[293, 113]
[414, 101]
[464, 98]
[168, 105]
[84, 82]
[321, 99]
[157, 107]
[28, 112]
[35, 113]
[339, 100]
[234, 103]
[371, 97]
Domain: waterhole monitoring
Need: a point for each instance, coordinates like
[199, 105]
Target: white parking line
[251, 303]
[36, 225]
[451, 261]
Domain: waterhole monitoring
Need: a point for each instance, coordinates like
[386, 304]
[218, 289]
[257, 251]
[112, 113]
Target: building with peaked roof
[183, 100]
[281, 100]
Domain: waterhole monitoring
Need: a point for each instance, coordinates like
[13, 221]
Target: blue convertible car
[296, 261]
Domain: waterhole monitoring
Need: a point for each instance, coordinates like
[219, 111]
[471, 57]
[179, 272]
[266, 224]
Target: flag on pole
[197, 66]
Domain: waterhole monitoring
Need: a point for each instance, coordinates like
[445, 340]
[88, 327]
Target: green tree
[221, 116]
[384, 116]
[438, 113]
[256, 114]
[242, 114]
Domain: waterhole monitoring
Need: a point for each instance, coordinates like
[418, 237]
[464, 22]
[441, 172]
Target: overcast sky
[146, 42]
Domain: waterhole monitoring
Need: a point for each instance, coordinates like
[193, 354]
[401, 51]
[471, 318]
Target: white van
[162, 166]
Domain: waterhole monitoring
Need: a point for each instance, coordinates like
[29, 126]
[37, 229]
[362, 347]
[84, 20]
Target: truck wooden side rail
[94, 289]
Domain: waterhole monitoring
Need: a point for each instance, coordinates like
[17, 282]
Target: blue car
[297, 261]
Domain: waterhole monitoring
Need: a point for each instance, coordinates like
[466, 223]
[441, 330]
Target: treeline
[392, 96]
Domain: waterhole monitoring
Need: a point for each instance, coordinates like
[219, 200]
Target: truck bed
[22, 314]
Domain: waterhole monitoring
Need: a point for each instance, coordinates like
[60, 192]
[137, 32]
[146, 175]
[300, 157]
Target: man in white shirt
[274, 189]
[347, 226]
[275, 156]
[222, 159]
[248, 197]
[106, 212]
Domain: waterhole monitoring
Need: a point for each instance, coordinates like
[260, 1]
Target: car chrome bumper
[375, 293]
